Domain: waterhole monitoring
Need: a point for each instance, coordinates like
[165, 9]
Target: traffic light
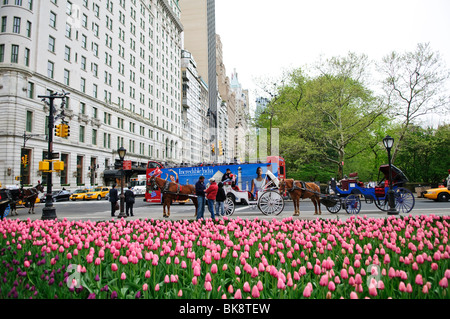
[220, 148]
[65, 130]
[25, 160]
[213, 149]
[58, 166]
[44, 166]
[58, 130]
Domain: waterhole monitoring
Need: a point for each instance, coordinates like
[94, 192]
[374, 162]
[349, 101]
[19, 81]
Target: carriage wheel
[352, 204]
[271, 203]
[404, 200]
[336, 208]
[228, 209]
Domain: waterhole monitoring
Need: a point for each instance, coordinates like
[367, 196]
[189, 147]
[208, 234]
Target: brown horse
[173, 191]
[299, 190]
[29, 195]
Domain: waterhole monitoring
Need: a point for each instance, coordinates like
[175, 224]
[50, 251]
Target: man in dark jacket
[129, 201]
[220, 199]
[201, 199]
[113, 198]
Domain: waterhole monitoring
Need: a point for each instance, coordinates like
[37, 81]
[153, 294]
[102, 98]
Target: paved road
[100, 210]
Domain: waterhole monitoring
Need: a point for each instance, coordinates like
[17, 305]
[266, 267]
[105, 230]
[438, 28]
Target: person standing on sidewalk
[220, 200]
[113, 198]
[200, 192]
[211, 193]
[129, 201]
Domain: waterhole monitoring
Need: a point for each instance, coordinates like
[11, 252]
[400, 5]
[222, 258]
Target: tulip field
[394, 257]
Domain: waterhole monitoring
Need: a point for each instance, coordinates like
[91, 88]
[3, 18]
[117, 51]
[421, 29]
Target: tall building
[242, 118]
[194, 115]
[198, 19]
[119, 60]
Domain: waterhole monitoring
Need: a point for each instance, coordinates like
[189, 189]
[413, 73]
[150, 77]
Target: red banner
[127, 165]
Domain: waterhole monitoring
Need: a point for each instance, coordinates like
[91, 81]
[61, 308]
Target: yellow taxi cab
[79, 194]
[440, 194]
[97, 193]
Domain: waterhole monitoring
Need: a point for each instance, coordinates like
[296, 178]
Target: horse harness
[166, 188]
[304, 188]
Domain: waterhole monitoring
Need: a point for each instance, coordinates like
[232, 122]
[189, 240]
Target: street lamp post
[388, 143]
[122, 152]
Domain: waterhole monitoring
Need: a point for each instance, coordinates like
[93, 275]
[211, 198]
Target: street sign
[55, 155]
[127, 165]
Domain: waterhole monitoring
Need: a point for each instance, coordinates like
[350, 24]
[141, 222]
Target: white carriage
[268, 199]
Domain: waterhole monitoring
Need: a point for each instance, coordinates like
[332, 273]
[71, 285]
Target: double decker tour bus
[243, 173]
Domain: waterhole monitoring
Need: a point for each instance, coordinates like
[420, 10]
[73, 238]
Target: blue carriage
[348, 194]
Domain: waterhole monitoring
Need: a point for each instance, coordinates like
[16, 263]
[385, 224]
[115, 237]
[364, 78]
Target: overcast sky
[261, 38]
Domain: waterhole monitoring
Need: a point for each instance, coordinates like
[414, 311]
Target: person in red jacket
[211, 193]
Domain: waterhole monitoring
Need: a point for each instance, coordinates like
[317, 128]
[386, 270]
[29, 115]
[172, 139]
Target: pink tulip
[317, 269]
[425, 289]
[194, 280]
[358, 279]
[166, 279]
[214, 269]
[434, 266]
[353, 295]
[443, 283]
[447, 274]
[372, 290]
[246, 287]
[324, 280]
[386, 260]
[331, 286]
[208, 277]
[197, 271]
[26, 264]
[123, 276]
[180, 293]
[402, 287]
[114, 267]
[157, 287]
[237, 271]
[344, 274]
[238, 294]
[145, 287]
[307, 292]
[408, 288]
[255, 292]
[259, 285]
[230, 289]
[208, 286]
[147, 274]
[419, 280]
[280, 284]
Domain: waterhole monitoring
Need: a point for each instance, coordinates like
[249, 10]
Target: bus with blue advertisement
[242, 174]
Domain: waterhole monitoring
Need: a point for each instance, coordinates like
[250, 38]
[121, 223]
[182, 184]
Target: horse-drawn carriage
[348, 194]
[268, 199]
[10, 196]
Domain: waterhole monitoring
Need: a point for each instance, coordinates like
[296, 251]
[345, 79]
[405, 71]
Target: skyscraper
[199, 22]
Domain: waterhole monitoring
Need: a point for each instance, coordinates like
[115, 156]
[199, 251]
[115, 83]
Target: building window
[2, 52]
[69, 8]
[30, 4]
[18, 2]
[94, 90]
[16, 25]
[28, 29]
[65, 159]
[27, 57]
[29, 123]
[83, 85]
[30, 90]
[50, 69]
[14, 53]
[67, 53]
[79, 170]
[66, 77]
[94, 137]
[81, 134]
[52, 19]
[83, 63]
[4, 21]
[83, 41]
[68, 31]
[51, 44]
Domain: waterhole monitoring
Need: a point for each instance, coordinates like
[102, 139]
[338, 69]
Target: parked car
[440, 194]
[57, 196]
[79, 194]
[97, 193]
